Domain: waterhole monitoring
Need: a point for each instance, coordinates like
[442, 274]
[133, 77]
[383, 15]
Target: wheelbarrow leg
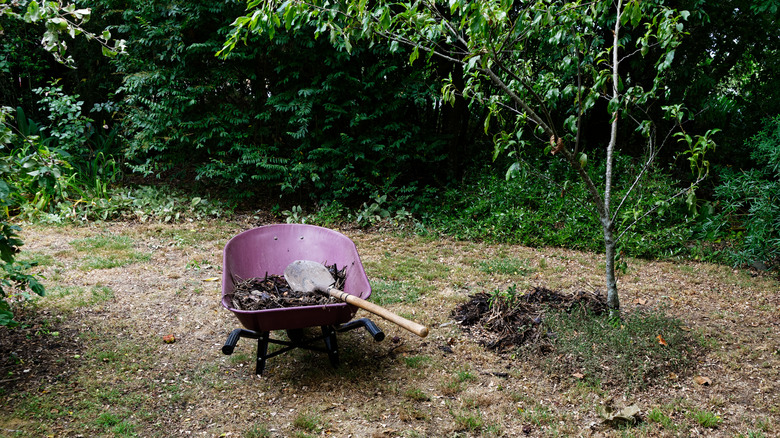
[331, 345]
[262, 352]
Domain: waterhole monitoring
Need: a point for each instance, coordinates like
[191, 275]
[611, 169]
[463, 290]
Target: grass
[386, 292]
[468, 420]
[108, 251]
[707, 419]
[68, 298]
[309, 422]
[417, 361]
[416, 394]
[639, 350]
[538, 415]
[257, 431]
[127, 382]
[505, 266]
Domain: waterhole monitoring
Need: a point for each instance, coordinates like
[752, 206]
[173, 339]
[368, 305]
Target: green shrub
[320, 125]
[748, 200]
[14, 280]
[547, 207]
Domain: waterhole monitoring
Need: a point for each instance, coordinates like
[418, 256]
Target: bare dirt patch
[109, 372]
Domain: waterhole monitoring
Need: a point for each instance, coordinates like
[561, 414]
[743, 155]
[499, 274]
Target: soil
[135, 349]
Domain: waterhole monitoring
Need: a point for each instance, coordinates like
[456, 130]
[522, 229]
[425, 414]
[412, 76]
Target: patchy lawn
[90, 358]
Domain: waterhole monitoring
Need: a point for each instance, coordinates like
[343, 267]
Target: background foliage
[290, 123]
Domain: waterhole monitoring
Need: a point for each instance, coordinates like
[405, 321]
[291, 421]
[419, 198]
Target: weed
[416, 394]
[465, 376]
[197, 265]
[257, 431]
[471, 421]
[416, 361]
[707, 419]
[309, 422]
[658, 416]
[510, 297]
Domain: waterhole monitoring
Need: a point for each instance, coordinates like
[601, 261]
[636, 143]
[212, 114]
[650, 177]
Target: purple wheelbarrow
[269, 250]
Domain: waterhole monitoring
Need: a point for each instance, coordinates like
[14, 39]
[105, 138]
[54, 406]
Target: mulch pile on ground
[273, 292]
[502, 321]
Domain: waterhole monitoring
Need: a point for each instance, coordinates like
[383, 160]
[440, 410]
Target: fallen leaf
[169, 339]
[673, 376]
[661, 340]
[703, 381]
[578, 375]
[627, 415]
[557, 146]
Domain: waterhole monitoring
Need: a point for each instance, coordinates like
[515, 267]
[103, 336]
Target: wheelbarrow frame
[269, 250]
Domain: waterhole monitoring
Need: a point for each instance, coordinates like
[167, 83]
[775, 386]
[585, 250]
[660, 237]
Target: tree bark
[613, 302]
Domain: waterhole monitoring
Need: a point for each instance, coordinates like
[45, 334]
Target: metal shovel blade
[308, 276]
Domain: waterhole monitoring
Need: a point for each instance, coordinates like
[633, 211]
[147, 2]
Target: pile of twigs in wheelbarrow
[273, 292]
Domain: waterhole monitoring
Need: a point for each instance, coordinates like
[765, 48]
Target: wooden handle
[418, 329]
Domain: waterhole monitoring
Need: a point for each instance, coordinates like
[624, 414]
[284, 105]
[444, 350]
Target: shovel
[309, 276]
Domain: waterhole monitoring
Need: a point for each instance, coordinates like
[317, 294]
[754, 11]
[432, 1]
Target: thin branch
[580, 109]
[656, 207]
[512, 95]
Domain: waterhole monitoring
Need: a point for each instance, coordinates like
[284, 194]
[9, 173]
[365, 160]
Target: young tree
[544, 69]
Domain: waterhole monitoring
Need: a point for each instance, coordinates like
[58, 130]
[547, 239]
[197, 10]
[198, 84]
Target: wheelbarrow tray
[268, 250]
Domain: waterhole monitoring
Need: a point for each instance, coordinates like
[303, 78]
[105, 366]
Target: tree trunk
[613, 302]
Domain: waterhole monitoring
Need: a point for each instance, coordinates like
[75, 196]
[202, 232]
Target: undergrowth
[549, 208]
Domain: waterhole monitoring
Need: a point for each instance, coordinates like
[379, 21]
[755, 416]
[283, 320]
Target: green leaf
[6, 316]
[289, 17]
[513, 170]
[414, 55]
[108, 52]
[33, 12]
[583, 160]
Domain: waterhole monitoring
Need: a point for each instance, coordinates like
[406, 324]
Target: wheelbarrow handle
[418, 329]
